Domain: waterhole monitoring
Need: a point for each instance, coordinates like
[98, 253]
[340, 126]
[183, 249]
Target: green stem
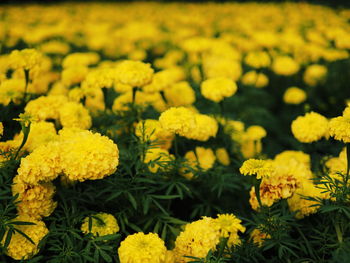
[26, 75]
[257, 191]
[338, 230]
[134, 90]
[222, 246]
[25, 131]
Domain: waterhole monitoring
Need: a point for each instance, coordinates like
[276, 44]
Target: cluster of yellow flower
[196, 239]
[166, 62]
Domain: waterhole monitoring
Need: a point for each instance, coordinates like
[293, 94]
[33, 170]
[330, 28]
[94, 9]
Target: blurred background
[336, 3]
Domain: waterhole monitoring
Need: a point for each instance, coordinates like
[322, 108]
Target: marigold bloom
[153, 131]
[196, 240]
[258, 59]
[140, 247]
[315, 74]
[46, 107]
[298, 202]
[202, 157]
[35, 200]
[1, 129]
[26, 59]
[80, 59]
[134, 73]
[222, 156]
[74, 75]
[161, 156]
[260, 168]
[74, 115]
[187, 97]
[205, 128]
[42, 165]
[178, 120]
[310, 127]
[162, 80]
[87, 156]
[285, 66]
[282, 183]
[20, 247]
[339, 127]
[11, 90]
[107, 225]
[294, 95]
[216, 89]
[228, 226]
[40, 133]
[259, 237]
[252, 78]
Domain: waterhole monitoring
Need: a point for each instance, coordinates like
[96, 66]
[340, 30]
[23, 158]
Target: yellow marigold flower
[42, 165]
[286, 157]
[310, 128]
[282, 183]
[121, 88]
[153, 131]
[141, 98]
[260, 168]
[216, 89]
[337, 165]
[169, 257]
[134, 73]
[220, 66]
[164, 79]
[202, 157]
[100, 78]
[339, 127]
[252, 78]
[255, 132]
[107, 225]
[40, 134]
[11, 90]
[228, 226]
[21, 248]
[46, 107]
[80, 59]
[196, 240]
[87, 156]
[25, 59]
[58, 89]
[74, 75]
[140, 247]
[157, 159]
[205, 128]
[258, 59]
[74, 115]
[285, 66]
[259, 237]
[235, 129]
[76, 94]
[178, 120]
[294, 95]
[222, 156]
[298, 202]
[35, 200]
[187, 97]
[315, 74]
[55, 47]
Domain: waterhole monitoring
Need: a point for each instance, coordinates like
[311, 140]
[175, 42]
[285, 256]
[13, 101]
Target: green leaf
[105, 256]
[132, 200]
